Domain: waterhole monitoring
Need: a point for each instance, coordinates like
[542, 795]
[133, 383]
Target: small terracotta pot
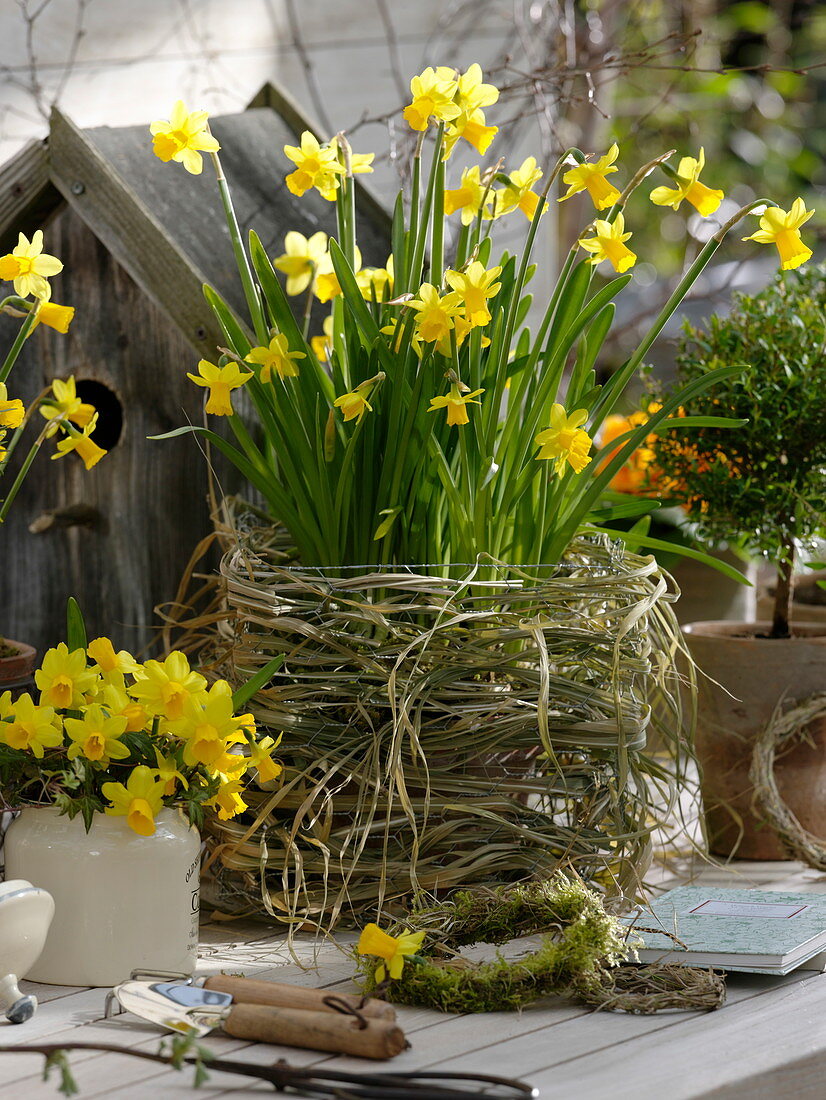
[17, 668]
[756, 673]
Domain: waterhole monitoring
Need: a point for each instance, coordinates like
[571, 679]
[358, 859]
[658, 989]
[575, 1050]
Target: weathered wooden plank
[28, 199]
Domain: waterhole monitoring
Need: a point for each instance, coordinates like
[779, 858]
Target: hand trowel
[194, 1010]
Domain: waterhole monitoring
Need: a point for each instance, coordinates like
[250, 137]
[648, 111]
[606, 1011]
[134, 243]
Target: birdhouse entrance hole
[110, 411]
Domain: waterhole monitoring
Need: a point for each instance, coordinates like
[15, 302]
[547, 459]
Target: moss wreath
[580, 956]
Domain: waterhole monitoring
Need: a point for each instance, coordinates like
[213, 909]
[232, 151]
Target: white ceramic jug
[123, 902]
[25, 915]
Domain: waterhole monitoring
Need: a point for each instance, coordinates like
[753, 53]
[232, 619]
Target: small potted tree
[762, 487]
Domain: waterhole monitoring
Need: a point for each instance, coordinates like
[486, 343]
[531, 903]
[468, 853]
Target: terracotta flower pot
[756, 673]
[17, 668]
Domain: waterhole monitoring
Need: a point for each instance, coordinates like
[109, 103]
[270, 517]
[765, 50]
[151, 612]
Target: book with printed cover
[754, 931]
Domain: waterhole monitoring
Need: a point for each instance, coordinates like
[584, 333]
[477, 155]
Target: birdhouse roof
[165, 226]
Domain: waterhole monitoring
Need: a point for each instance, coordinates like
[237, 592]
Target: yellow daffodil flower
[323, 345]
[12, 410]
[471, 126]
[472, 92]
[393, 949]
[518, 194]
[220, 381]
[261, 760]
[353, 405]
[565, 440]
[316, 165]
[31, 727]
[96, 736]
[359, 163]
[277, 357]
[456, 404]
[208, 726]
[30, 267]
[702, 198]
[474, 286]
[114, 698]
[782, 228]
[63, 677]
[471, 196]
[591, 178]
[81, 442]
[461, 327]
[434, 314]
[608, 243]
[228, 800]
[66, 403]
[167, 773]
[300, 259]
[327, 285]
[433, 93]
[183, 138]
[102, 652]
[164, 687]
[139, 801]
[54, 316]
[376, 282]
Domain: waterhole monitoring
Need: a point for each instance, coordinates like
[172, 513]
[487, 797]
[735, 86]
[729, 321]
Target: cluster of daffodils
[28, 268]
[110, 734]
[439, 327]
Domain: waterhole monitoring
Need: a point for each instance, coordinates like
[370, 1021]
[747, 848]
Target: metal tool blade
[186, 1009]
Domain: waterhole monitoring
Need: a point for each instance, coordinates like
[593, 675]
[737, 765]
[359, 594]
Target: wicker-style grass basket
[445, 727]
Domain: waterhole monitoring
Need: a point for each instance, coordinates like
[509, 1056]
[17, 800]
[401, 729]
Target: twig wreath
[580, 956]
[799, 842]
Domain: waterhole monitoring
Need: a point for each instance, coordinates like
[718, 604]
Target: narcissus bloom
[782, 228]
[565, 440]
[433, 92]
[472, 127]
[114, 698]
[65, 402]
[591, 178]
[327, 285]
[63, 678]
[608, 243]
[183, 138]
[518, 194]
[434, 314]
[471, 196]
[355, 403]
[376, 282]
[139, 801]
[102, 652]
[220, 381]
[277, 357]
[32, 728]
[702, 198]
[455, 402]
[96, 736]
[359, 163]
[261, 759]
[54, 316]
[12, 410]
[30, 267]
[316, 165]
[167, 773]
[323, 345]
[81, 442]
[164, 687]
[393, 949]
[228, 801]
[300, 259]
[474, 286]
[208, 726]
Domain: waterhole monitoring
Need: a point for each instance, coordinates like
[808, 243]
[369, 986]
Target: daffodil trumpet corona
[420, 419]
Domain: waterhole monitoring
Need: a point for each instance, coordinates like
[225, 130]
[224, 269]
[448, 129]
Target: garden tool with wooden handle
[192, 1010]
[250, 991]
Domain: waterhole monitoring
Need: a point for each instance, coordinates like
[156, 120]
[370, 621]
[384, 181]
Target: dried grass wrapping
[448, 727]
[769, 805]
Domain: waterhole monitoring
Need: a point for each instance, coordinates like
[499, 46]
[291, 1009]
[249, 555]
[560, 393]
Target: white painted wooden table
[769, 1041]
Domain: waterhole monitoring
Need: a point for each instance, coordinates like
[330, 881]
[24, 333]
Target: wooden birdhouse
[138, 239]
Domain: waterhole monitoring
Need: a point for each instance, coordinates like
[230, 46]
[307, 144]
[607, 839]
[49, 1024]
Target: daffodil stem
[437, 238]
[21, 476]
[17, 346]
[461, 246]
[241, 258]
[421, 236]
